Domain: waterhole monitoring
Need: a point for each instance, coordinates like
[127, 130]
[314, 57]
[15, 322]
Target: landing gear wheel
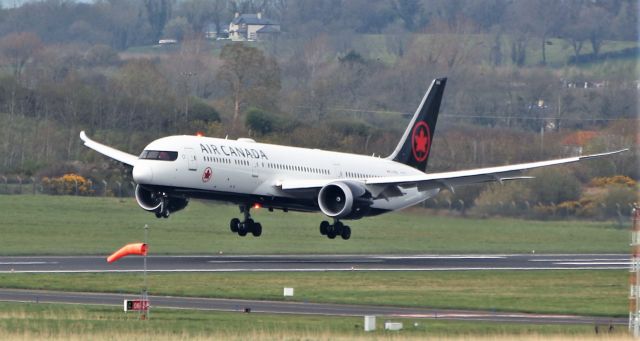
[158, 215]
[346, 233]
[338, 227]
[243, 229]
[256, 229]
[233, 225]
[324, 227]
[331, 232]
[166, 214]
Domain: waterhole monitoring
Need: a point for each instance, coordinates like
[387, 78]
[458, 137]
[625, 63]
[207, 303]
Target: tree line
[121, 24]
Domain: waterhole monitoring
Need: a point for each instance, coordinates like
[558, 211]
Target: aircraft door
[337, 171]
[192, 160]
[255, 171]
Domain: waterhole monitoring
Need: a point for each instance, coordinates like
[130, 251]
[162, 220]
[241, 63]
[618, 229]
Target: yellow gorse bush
[68, 184]
[612, 180]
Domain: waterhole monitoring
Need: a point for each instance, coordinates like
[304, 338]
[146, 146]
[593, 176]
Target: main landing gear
[242, 228]
[163, 210]
[337, 229]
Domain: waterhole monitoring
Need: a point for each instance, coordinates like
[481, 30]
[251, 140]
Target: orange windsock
[127, 250]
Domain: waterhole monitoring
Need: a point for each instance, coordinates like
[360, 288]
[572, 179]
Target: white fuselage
[244, 168]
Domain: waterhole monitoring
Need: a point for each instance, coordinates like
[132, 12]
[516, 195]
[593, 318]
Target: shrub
[201, 111]
[261, 121]
[544, 212]
[554, 185]
[506, 200]
[612, 180]
[568, 208]
[610, 201]
[66, 185]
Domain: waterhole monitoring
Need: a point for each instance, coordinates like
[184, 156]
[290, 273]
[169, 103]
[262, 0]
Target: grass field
[48, 321]
[600, 293]
[41, 224]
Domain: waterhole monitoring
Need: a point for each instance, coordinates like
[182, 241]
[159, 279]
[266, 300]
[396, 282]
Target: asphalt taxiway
[256, 263]
[253, 306]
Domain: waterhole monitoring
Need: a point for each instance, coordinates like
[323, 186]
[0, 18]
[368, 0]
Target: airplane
[171, 170]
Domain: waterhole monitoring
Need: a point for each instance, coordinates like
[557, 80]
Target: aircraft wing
[108, 151]
[448, 180]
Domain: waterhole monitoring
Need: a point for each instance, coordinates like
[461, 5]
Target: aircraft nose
[142, 174]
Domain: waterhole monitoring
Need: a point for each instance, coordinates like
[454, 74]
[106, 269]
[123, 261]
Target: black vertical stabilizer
[413, 149]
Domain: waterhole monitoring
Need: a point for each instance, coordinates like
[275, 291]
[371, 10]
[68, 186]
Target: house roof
[252, 19]
[269, 29]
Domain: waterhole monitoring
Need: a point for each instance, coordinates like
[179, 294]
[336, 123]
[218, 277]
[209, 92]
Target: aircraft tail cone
[127, 250]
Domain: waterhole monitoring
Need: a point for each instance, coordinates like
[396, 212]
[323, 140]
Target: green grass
[43, 224]
[39, 321]
[593, 292]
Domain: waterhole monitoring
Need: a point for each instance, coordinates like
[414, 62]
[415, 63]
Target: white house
[252, 27]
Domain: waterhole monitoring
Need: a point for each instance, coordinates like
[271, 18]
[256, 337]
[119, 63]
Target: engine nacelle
[152, 201]
[344, 199]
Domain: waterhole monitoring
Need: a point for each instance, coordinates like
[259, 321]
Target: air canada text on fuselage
[233, 151]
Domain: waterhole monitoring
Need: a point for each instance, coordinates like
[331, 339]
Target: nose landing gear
[242, 228]
[337, 229]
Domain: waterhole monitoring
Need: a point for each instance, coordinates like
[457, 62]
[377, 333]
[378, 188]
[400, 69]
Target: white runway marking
[26, 263]
[443, 257]
[295, 261]
[593, 263]
[577, 260]
[325, 270]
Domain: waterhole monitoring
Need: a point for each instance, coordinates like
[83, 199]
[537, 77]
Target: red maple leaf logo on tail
[421, 141]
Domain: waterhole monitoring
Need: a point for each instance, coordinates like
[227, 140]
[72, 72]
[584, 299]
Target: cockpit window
[159, 155]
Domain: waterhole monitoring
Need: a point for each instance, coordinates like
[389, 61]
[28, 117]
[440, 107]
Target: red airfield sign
[136, 305]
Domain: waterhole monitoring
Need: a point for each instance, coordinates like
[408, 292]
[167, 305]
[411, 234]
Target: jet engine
[344, 199]
[152, 201]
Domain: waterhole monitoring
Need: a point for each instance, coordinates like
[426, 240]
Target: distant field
[382, 47]
[596, 292]
[43, 224]
[66, 322]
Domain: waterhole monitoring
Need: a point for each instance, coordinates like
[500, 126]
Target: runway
[257, 263]
[232, 305]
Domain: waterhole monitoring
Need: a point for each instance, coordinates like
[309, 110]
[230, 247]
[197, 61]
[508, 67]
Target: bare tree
[249, 76]
[549, 16]
[18, 48]
[598, 20]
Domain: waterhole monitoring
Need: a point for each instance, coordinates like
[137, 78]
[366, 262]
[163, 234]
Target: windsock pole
[145, 294]
[634, 278]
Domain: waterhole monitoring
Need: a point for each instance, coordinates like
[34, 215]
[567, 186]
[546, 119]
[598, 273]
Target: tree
[520, 24]
[250, 77]
[198, 13]
[18, 48]
[550, 16]
[554, 185]
[128, 23]
[575, 30]
[409, 11]
[598, 26]
[142, 99]
[177, 28]
[158, 12]
[626, 22]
